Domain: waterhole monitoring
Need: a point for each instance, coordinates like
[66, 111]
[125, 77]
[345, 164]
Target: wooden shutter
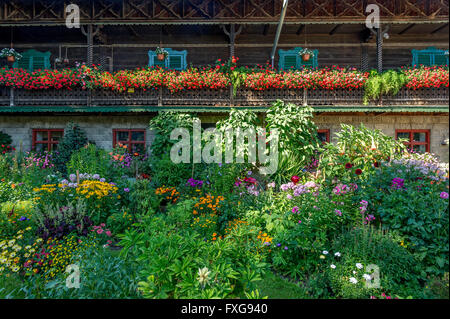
[176, 60]
[291, 60]
[429, 56]
[33, 60]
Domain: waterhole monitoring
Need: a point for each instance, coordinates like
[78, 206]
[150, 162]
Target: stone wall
[389, 122]
[99, 127]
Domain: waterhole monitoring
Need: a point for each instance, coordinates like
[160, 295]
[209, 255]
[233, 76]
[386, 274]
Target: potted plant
[161, 54]
[306, 54]
[10, 54]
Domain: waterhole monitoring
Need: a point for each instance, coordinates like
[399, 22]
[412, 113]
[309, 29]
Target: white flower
[325, 252]
[359, 265]
[353, 280]
[367, 277]
[354, 272]
[333, 266]
[338, 254]
[203, 275]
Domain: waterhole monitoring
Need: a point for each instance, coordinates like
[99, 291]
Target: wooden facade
[124, 31]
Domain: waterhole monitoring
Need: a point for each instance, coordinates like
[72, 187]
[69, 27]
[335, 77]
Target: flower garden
[361, 218]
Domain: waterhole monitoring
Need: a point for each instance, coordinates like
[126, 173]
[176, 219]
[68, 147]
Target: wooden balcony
[19, 100]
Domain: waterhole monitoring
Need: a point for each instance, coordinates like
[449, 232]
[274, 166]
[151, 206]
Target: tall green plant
[74, 139]
[298, 141]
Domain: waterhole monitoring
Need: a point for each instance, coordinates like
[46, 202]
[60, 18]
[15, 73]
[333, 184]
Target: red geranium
[295, 179]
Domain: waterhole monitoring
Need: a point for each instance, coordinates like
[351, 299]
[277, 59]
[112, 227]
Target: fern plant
[387, 83]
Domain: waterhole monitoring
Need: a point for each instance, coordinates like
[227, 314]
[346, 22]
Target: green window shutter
[291, 60]
[429, 56]
[440, 59]
[33, 60]
[176, 60]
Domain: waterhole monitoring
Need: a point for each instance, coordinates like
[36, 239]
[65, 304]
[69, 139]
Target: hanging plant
[306, 54]
[161, 54]
[10, 54]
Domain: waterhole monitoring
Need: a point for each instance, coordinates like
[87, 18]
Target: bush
[179, 264]
[5, 143]
[399, 271]
[411, 197]
[15, 216]
[90, 160]
[74, 139]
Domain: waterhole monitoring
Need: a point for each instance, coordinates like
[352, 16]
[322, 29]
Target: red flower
[358, 171]
[295, 179]
[376, 164]
[348, 165]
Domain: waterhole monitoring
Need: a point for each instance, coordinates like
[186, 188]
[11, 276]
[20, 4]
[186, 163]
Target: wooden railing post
[11, 97]
[160, 96]
[231, 97]
[305, 96]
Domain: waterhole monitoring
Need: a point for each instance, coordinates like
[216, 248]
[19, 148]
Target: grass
[276, 287]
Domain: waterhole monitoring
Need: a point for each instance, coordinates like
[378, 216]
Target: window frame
[411, 142]
[152, 56]
[129, 142]
[327, 134]
[49, 143]
[431, 52]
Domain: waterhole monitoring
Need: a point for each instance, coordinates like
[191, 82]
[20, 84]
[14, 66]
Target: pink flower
[99, 231]
[108, 233]
[444, 195]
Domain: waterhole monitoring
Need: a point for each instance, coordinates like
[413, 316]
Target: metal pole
[277, 35]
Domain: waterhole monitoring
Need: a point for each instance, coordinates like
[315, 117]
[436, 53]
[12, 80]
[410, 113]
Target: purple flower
[338, 212]
[295, 209]
[444, 195]
[126, 189]
[278, 245]
[397, 183]
[289, 196]
[285, 248]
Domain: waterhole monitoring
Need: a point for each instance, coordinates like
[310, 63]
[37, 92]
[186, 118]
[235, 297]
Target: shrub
[90, 160]
[5, 143]
[74, 139]
[57, 222]
[399, 271]
[15, 216]
[298, 139]
[411, 196]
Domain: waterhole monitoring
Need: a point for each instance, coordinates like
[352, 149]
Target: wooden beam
[333, 31]
[266, 29]
[300, 29]
[407, 28]
[439, 29]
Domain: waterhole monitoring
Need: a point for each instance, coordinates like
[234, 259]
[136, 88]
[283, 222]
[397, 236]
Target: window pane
[56, 136]
[41, 136]
[122, 136]
[139, 148]
[54, 147]
[137, 136]
[419, 148]
[419, 137]
[322, 137]
[41, 147]
[403, 135]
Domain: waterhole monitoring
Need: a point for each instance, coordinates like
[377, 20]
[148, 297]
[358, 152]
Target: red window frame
[129, 143]
[49, 141]
[411, 142]
[327, 134]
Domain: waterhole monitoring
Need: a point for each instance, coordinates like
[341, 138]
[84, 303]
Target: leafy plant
[387, 83]
[74, 139]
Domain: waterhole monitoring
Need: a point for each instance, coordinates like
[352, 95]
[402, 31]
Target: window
[46, 140]
[324, 136]
[429, 56]
[417, 140]
[133, 139]
[176, 60]
[33, 60]
[291, 60]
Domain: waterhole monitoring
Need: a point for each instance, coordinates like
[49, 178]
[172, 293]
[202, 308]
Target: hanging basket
[11, 58]
[161, 56]
[306, 57]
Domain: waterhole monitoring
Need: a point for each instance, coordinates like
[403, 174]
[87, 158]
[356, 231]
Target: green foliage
[5, 139]
[74, 139]
[163, 124]
[361, 147]
[386, 83]
[398, 270]
[178, 264]
[90, 160]
[298, 139]
[415, 209]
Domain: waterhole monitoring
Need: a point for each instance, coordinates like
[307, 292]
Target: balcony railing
[210, 98]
